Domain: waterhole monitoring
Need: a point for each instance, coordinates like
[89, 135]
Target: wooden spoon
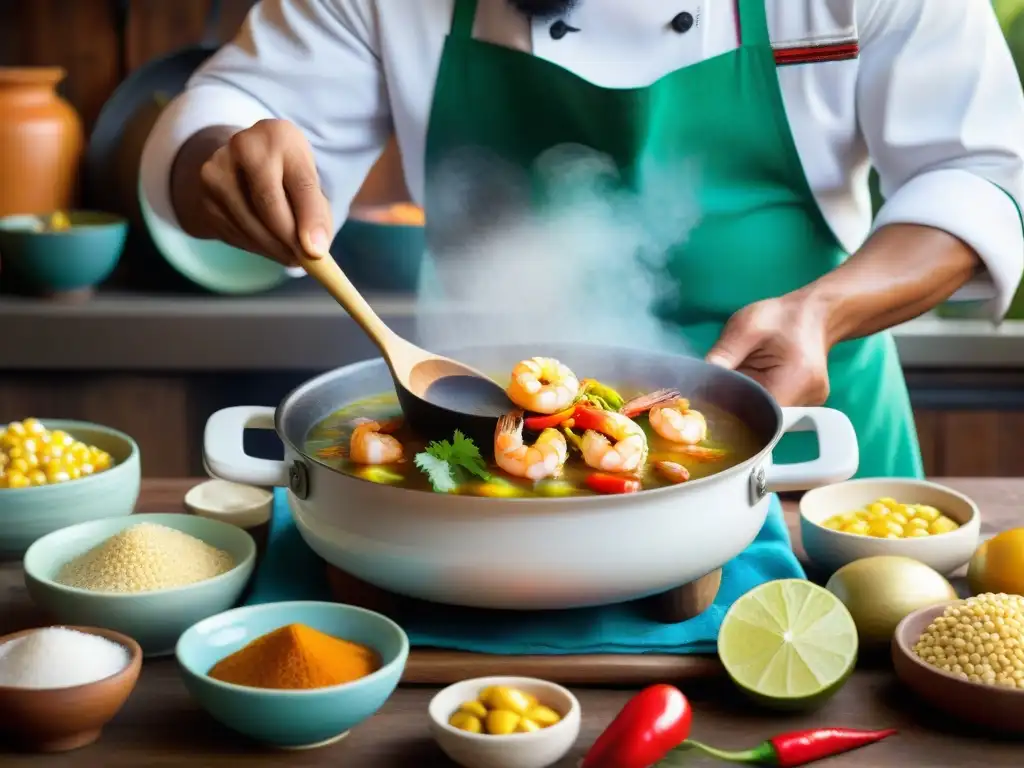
[437, 394]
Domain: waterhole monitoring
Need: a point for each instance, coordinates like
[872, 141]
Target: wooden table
[160, 726]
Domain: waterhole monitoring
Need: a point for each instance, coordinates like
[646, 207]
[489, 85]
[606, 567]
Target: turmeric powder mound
[296, 657]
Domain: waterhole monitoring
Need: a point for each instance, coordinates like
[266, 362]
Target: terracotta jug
[41, 142]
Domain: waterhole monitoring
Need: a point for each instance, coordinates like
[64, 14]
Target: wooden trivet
[438, 667]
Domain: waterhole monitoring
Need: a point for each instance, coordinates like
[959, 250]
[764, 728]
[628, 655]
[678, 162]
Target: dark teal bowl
[60, 261]
[380, 257]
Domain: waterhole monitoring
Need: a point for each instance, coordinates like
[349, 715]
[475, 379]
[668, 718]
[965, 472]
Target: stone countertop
[303, 330]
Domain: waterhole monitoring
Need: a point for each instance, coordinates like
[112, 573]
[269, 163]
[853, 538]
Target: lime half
[789, 643]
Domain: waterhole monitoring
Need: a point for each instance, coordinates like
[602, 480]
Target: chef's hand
[782, 344]
[261, 193]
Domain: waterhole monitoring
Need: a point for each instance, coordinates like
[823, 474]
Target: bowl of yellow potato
[57, 473]
[505, 722]
[918, 519]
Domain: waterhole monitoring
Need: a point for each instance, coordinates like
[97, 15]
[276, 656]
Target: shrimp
[677, 423]
[628, 451]
[671, 471]
[545, 458]
[371, 445]
[543, 385]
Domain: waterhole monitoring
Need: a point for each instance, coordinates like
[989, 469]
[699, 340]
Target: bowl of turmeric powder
[293, 675]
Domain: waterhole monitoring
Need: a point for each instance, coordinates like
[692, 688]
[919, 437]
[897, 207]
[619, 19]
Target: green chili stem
[763, 754]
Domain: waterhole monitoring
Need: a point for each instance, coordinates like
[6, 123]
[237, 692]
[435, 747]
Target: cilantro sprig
[446, 464]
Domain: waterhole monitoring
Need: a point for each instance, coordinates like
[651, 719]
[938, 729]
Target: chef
[784, 103]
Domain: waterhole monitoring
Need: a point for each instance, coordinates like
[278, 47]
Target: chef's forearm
[902, 271]
[185, 179]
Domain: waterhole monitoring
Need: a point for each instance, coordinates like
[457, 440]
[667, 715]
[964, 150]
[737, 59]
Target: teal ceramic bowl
[26, 514]
[379, 256]
[65, 260]
[211, 264]
[287, 718]
[155, 620]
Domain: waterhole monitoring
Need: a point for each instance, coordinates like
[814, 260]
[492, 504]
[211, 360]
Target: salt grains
[56, 657]
[144, 558]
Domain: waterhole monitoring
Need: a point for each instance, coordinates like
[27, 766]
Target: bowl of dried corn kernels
[58, 473]
[918, 519]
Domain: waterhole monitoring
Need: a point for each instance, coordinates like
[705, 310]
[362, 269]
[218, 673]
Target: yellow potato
[501, 722]
[466, 722]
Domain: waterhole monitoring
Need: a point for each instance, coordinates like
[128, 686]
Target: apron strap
[753, 20]
[462, 18]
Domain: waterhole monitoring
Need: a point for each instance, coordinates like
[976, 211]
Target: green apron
[761, 233]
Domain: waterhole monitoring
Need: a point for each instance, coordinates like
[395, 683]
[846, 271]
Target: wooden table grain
[160, 727]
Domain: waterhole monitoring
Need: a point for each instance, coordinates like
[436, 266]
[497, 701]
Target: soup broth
[329, 439]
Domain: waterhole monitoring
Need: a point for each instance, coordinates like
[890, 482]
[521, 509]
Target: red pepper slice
[651, 724]
[789, 750]
[610, 484]
[589, 417]
[538, 423]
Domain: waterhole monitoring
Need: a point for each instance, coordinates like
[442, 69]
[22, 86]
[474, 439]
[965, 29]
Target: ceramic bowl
[29, 513]
[62, 719]
[292, 719]
[211, 264]
[831, 550]
[378, 254]
[245, 506]
[155, 619]
[61, 261]
[537, 749]
[988, 707]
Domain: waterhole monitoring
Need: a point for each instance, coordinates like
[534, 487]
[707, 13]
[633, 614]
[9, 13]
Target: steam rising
[589, 264]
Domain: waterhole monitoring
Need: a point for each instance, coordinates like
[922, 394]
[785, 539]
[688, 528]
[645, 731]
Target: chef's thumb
[312, 213]
[737, 341]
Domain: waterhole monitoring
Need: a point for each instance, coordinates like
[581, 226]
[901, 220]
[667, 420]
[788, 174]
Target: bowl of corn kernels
[918, 519]
[57, 473]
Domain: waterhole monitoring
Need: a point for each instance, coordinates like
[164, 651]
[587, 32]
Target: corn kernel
[884, 528]
[942, 524]
[927, 513]
[859, 527]
[915, 533]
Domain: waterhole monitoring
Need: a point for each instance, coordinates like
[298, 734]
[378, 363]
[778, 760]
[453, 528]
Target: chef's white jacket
[933, 102]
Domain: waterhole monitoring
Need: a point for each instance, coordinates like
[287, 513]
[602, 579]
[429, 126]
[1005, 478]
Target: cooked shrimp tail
[545, 458]
[644, 403]
[370, 445]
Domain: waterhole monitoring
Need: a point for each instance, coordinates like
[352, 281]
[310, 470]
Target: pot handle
[838, 454]
[224, 453]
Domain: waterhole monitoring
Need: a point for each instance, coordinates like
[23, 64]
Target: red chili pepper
[602, 483]
[537, 423]
[589, 417]
[788, 750]
[651, 724]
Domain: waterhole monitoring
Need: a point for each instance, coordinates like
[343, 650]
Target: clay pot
[41, 142]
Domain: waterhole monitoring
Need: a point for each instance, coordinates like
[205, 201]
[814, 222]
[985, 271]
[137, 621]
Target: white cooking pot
[532, 553]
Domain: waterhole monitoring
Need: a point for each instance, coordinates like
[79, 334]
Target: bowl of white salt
[60, 685]
[150, 577]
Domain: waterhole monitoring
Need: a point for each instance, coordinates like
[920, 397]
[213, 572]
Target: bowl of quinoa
[966, 658]
[147, 576]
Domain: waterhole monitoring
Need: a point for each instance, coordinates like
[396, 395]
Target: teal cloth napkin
[291, 571]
